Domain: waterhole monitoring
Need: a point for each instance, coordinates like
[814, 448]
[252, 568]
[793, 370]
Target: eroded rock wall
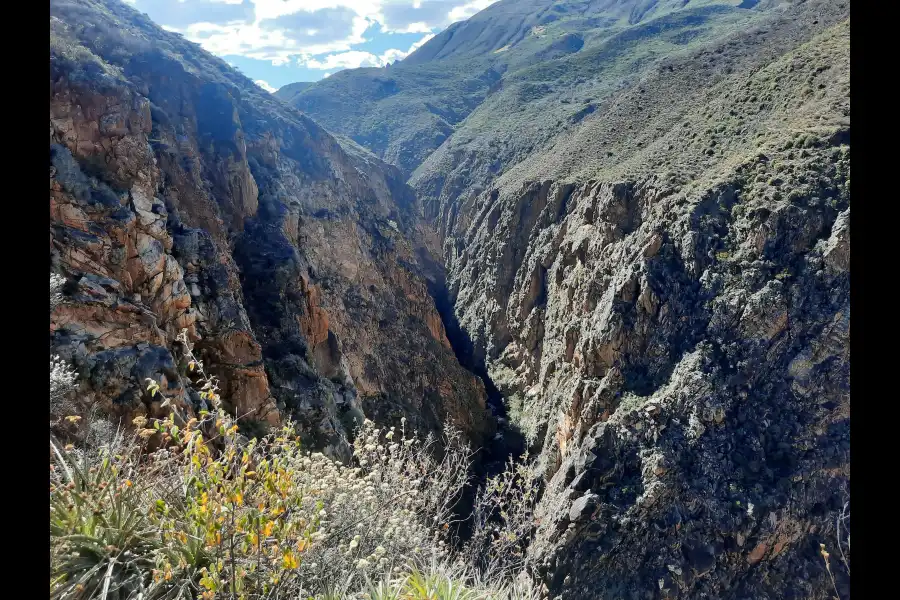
[676, 349]
[183, 197]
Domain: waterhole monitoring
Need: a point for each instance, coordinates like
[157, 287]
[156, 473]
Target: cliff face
[643, 209]
[673, 335]
[183, 197]
[647, 247]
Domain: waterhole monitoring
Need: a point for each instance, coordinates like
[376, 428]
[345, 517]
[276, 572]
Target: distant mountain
[536, 46]
[290, 90]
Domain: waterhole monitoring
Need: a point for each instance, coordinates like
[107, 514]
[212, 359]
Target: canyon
[615, 233]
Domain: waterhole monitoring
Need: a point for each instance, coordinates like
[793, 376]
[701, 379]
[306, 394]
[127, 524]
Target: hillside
[287, 92]
[553, 56]
[645, 223]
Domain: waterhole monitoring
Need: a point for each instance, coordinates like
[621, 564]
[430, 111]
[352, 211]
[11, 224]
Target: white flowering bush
[62, 377]
[62, 384]
[392, 507]
[186, 508]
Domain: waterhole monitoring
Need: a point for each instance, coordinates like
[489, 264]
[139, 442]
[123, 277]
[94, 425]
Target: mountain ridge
[631, 218]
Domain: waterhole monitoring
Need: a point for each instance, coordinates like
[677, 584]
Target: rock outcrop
[643, 218]
[184, 197]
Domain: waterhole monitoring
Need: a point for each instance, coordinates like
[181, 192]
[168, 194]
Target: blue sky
[276, 42]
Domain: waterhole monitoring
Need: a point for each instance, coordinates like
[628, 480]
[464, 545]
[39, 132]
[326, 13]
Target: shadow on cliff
[508, 442]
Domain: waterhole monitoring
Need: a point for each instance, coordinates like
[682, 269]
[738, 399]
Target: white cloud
[264, 43]
[271, 9]
[458, 13]
[310, 32]
[352, 59]
[422, 16]
[355, 59]
[420, 43]
[393, 55]
[182, 13]
[265, 85]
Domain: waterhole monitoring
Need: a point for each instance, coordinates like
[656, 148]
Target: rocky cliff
[647, 248]
[184, 197]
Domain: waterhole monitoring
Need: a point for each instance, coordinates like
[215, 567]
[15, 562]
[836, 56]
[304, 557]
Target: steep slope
[401, 114]
[663, 295]
[287, 92]
[513, 54]
[183, 196]
[647, 247]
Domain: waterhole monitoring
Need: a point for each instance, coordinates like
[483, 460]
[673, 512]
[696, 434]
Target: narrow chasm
[508, 442]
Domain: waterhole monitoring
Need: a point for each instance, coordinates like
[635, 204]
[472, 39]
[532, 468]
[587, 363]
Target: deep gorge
[628, 255]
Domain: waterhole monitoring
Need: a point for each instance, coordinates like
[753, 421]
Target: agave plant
[101, 539]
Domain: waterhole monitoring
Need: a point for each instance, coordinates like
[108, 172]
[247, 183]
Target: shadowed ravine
[508, 442]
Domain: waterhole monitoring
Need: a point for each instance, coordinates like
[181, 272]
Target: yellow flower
[289, 561]
[73, 418]
[267, 530]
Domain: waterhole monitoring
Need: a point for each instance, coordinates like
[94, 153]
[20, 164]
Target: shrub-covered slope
[647, 244]
[529, 66]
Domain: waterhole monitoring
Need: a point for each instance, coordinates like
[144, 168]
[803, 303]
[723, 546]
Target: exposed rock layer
[677, 347]
[659, 285]
[183, 197]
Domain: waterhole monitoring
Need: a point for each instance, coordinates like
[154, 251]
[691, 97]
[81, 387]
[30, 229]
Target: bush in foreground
[185, 509]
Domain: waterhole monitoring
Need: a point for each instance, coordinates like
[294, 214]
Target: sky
[276, 42]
